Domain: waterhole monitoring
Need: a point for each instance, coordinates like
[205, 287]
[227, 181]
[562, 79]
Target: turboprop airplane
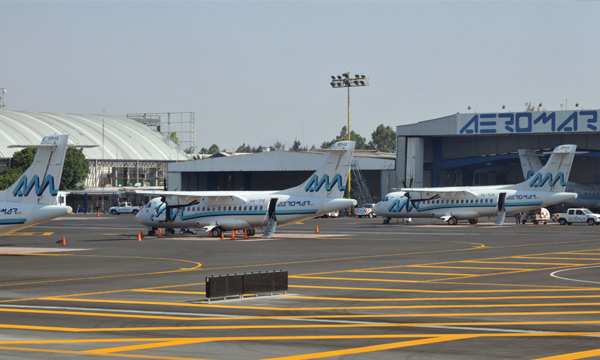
[219, 211]
[451, 204]
[588, 195]
[33, 199]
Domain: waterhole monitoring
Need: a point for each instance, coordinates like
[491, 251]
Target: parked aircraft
[451, 204]
[219, 211]
[33, 199]
[588, 195]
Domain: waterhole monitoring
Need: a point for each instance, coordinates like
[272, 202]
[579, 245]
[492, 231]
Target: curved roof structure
[123, 138]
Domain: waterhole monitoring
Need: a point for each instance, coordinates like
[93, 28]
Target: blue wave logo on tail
[400, 204]
[539, 181]
[23, 187]
[314, 184]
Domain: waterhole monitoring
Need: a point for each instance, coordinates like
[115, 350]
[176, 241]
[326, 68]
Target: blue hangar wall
[481, 149]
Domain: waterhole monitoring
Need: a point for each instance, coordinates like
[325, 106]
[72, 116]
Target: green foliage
[75, 170]
[298, 146]
[383, 139]
[361, 142]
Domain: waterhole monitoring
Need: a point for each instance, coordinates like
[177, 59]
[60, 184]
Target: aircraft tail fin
[554, 175]
[39, 183]
[329, 181]
[530, 162]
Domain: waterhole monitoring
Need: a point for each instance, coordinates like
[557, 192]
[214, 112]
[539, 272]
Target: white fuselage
[469, 207]
[231, 214]
[17, 215]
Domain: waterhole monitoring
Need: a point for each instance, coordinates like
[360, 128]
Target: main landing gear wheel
[473, 221]
[250, 232]
[170, 231]
[216, 232]
[152, 232]
[452, 221]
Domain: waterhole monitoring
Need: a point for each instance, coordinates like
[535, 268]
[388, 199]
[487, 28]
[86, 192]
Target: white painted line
[554, 274]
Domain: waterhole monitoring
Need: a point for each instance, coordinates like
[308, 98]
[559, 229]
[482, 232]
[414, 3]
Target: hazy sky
[257, 71]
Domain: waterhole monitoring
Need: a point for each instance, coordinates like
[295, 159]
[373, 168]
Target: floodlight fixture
[357, 80]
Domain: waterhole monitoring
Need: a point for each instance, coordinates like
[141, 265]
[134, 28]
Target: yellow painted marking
[285, 317]
[444, 298]
[224, 306]
[553, 258]
[372, 348]
[404, 272]
[196, 267]
[515, 262]
[448, 291]
[573, 356]
[30, 234]
[84, 353]
[464, 267]
[144, 346]
[292, 326]
[170, 291]
[355, 279]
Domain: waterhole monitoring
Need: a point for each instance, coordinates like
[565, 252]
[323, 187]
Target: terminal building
[481, 149]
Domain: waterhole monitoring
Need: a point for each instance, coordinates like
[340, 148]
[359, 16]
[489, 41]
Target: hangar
[128, 151]
[481, 148]
[277, 170]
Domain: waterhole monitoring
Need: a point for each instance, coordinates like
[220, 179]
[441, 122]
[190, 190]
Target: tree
[244, 149]
[75, 169]
[297, 146]
[173, 137]
[361, 142]
[278, 146]
[213, 149]
[383, 139]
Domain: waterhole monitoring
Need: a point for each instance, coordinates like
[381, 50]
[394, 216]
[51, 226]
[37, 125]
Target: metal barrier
[222, 286]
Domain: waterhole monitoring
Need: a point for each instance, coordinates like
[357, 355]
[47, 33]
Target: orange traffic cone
[159, 233]
[222, 235]
[98, 213]
[64, 241]
[317, 229]
[245, 234]
[232, 234]
[142, 234]
[140, 237]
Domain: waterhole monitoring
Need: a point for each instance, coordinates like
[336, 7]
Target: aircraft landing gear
[170, 231]
[216, 232]
[386, 220]
[250, 232]
[152, 232]
[452, 221]
[473, 221]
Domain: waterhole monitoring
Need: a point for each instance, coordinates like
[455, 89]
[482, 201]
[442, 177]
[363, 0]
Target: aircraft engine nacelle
[458, 214]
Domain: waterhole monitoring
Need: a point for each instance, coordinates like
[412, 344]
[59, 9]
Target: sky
[256, 72]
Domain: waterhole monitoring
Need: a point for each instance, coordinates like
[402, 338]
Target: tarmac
[358, 289]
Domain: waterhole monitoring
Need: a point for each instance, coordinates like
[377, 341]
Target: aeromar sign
[529, 122]
[23, 187]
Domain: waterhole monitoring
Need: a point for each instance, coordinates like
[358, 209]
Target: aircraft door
[501, 209]
[271, 209]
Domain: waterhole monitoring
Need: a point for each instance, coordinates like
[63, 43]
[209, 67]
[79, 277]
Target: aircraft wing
[194, 197]
[433, 193]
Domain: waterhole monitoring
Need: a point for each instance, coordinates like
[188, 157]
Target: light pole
[345, 81]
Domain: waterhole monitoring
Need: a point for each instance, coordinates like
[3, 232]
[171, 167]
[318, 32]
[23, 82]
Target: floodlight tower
[345, 81]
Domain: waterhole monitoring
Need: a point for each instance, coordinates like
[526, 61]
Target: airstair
[359, 189]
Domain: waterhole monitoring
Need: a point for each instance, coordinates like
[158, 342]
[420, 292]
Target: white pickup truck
[124, 208]
[366, 210]
[576, 215]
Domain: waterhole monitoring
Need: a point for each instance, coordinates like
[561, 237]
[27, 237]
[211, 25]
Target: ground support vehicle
[575, 215]
[124, 208]
[543, 216]
[366, 210]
